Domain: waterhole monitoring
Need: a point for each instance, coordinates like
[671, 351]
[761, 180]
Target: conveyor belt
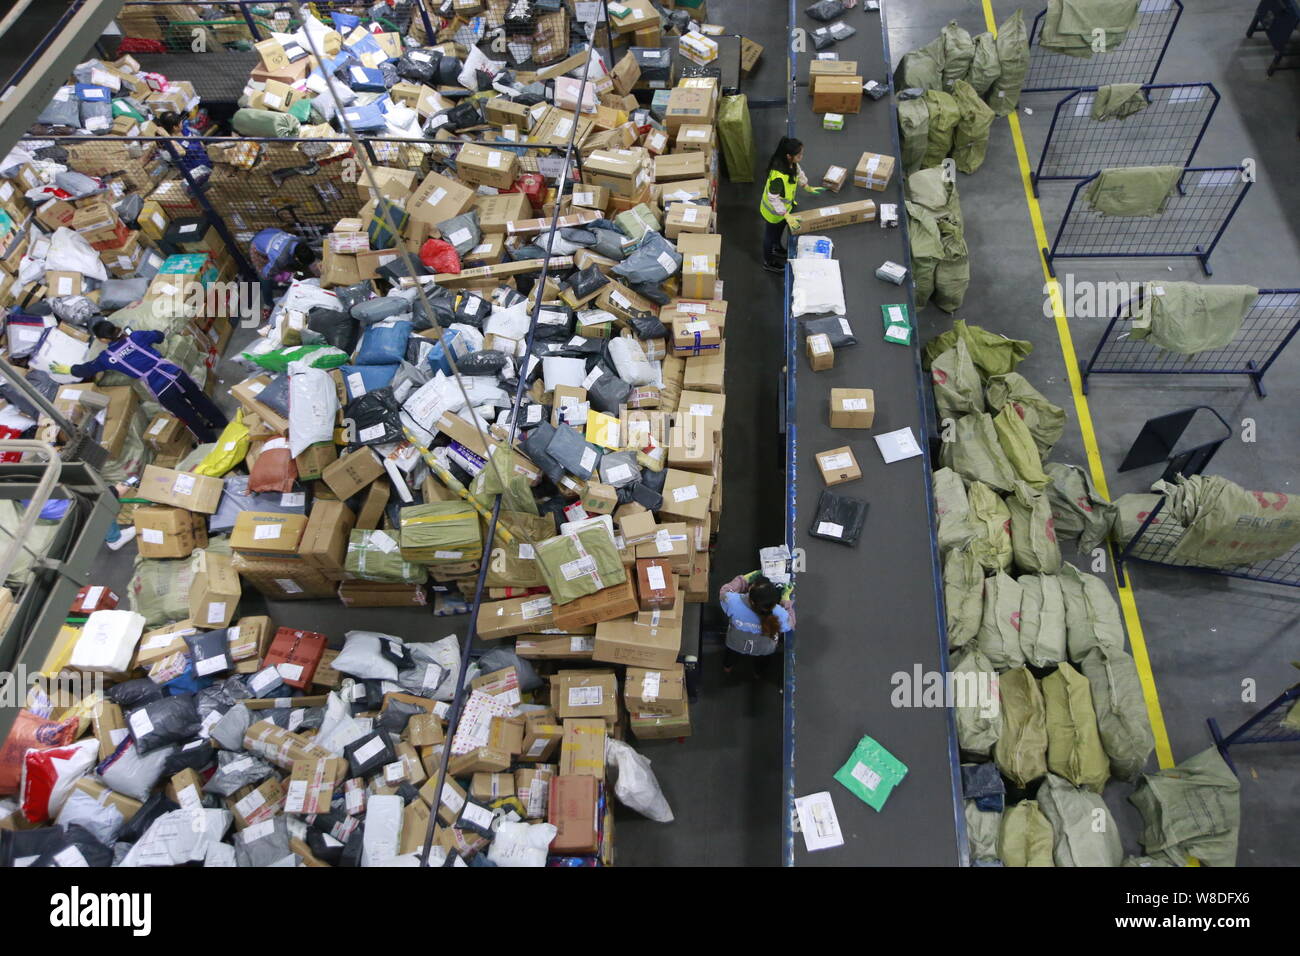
[868, 612]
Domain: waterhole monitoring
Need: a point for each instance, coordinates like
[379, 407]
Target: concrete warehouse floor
[1205, 634]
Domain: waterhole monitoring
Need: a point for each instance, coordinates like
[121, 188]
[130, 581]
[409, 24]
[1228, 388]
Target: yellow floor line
[1137, 642]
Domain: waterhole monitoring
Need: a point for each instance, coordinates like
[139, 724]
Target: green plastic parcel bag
[1018, 445]
[1026, 837]
[991, 545]
[957, 387]
[440, 533]
[1117, 101]
[982, 829]
[1132, 190]
[1033, 539]
[1077, 510]
[1092, 617]
[951, 278]
[265, 123]
[737, 136]
[871, 773]
[1191, 810]
[1085, 832]
[580, 563]
[1121, 709]
[376, 556]
[1042, 619]
[1021, 750]
[1074, 749]
[514, 564]
[501, 477]
[317, 355]
[944, 116]
[978, 719]
[963, 597]
[973, 451]
[970, 138]
[958, 51]
[1046, 422]
[922, 68]
[992, 354]
[914, 127]
[1189, 318]
[999, 633]
[984, 66]
[1228, 526]
[1012, 43]
[1131, 513]
[229, 450]
[953, 510]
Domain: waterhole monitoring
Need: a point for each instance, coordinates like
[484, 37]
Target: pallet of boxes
[377, 433]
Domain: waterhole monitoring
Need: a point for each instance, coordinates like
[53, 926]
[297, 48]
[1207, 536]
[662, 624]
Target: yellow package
[604, 430]
[231, 447]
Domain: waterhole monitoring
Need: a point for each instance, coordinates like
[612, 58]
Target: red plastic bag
[140, 45]
[31, 732]
[532, 185]
[49, 776]
[440, 256]
[7, 432]
[275, 469]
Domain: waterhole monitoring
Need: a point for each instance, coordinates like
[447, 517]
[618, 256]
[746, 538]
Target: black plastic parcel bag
[838, 518]
[161, 722]
[587, 281]
[608, 392]
[835, 327]
[824, 11]
[368, 754]
[575, 455]
[535, 447]
[375, 418]
[337, 328]
[653, 262]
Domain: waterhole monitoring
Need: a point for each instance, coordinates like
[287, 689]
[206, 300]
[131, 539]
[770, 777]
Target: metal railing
[1269, 726]
[1167, 132]
[1136, 58]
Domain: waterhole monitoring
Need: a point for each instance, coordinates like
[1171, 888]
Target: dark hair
[169, 121]
[104, 329]
[764, 596]
[303, 255]
[789, 146]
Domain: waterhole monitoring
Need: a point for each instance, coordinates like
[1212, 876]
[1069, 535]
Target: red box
[656, 583]
[575, 813]
[93, 597]
[302, 649]
[120, 234]
[533, 186]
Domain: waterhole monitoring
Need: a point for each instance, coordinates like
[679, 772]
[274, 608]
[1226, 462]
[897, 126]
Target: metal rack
[1268, 726]
[1137, 59]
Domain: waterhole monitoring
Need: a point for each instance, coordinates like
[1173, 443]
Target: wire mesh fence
[1157, 542]
[1193, 220]
[1266, 330]
[1167, 131]
[1273, 724]
[1135, 58]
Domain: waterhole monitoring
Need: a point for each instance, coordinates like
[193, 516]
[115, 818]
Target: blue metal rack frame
[1137, 59]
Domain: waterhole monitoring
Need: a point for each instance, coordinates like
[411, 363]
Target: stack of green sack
[375, 556]
[966, 82]
[1071, 711]
[940, 266]
[441, 533]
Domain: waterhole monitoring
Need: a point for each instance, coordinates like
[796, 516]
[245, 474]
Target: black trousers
[772, 233]
[730, 658]
[191, 405]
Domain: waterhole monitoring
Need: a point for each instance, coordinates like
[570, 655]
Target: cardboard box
[484, 166]
[656, 584]
[438, 199]
[599, 498]
[625, 74]
[372, 508]
[582, 749]
[258, 803]
[658, 691]
[542, 737]
[164, 430]
[215, 593]
[852, 408]
[250, 638]
[835, 178]
[495, 213]
[749, 54]
[685, 217]
[874, 170]
[660, 727]
[668, 542]
[821, 355]
[312, 784]
[311, 464]
[559, 647]
[574, 811]
[163, 532]
[686, 494]
[351, 474]
[707, 373]
[324, 543]
[498, 619]
[590, 196]
[679, 166]
[604, 605]
[630, 16]
[689, 106]
[652, 639]
[834, 217]
[163, 486]
[285, 580]
[838, 465]
[699, 277]
[487, 787]
[837, 94]
[163, 642]
[261, 534]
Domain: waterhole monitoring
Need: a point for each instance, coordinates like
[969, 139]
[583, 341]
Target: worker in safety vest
[784, 178]
[132, 354]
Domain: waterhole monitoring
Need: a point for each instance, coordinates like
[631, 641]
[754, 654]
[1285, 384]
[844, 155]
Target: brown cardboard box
[352, 473]
[874, 170]
[686, 494]
[324, 543]
[424, 730]
[373, 594]
[163, 532]
[675, 167]
[708, 372]
[817, 67]
[450, 801]
[692, 137]
[834, 217]
[604, 605]
[253, 805]
[587, 693]
[250, 638]
[164, 430]
[656, 584]
[669, 542]
[631, 16]
[487, 787]
[582, 749]
[693, 335]
[284, 580]
[108, 718]
[64, 283]
[749, 54]
[835, 178]
[246, 393]
[625, 74]
[372, 508]
[837, 94]
[337, 268]
[369, 263]
[599, 498]
[263, 534]
[560, 647]
[660, 727]
[483, 166]
[641, 640]
[542, 737]
[312, 783]
[163, 642]
[312, 463]
[181, 489]
[574, 811]
[821, 355]
[852, 408]
[622, 171]
[689, 106]
[438, 199]
[704, 409]
[495, 213]
[699, 277]
[660, 690]
[498, 619]
[838, 465]
[591, 196]
[683, 217]
[215, 593]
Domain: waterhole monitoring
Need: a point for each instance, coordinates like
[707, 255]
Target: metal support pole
[245, 269]
[248, 18]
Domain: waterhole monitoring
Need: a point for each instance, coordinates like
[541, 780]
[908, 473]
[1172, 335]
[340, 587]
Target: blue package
[383, 343]
[188, 682]
[345, 23]
[438, 360]
[359, 379]
[89, 93]
[365, 79]
[365, 118]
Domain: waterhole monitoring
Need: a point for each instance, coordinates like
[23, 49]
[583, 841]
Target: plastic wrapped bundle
[838, 518]
[445, 532]
[578, 564]
[375, 556]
